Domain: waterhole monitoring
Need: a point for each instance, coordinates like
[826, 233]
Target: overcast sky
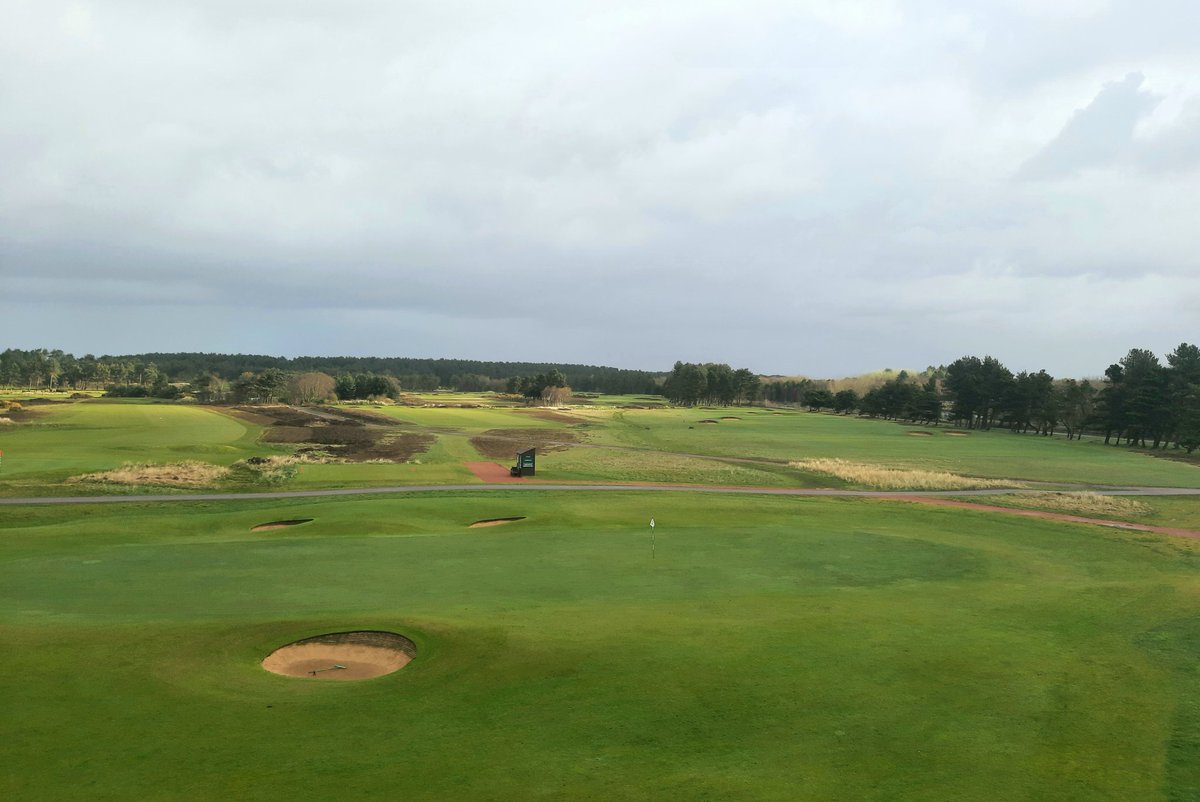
[820, 187]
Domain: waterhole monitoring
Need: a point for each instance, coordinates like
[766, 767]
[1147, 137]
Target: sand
[342, 656]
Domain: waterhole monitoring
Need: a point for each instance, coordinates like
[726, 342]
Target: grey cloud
[1096, 135]
[817, 188]
[1177, 147]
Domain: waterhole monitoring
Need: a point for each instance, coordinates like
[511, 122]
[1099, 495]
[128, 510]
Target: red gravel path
[492, 472]
[1053, 516]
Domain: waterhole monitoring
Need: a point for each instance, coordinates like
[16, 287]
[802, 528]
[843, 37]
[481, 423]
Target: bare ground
[343, 434]
[505, 443]
[551, 415]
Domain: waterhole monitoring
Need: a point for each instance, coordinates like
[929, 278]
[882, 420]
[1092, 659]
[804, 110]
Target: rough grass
[876, 476]
[179, 474]
[1082, 503]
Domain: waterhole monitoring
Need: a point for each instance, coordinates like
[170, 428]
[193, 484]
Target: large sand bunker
[342, 656]
[280, 524]
[496, 521]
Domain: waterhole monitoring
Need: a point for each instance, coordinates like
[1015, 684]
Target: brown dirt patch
[342, 656]
[505, 443]
[551, 415]
[247, 414]
[352, 435]
[496, 521]
[19, 414]
[369, 417]
[282, 415]
[392, 448]
[280, 524]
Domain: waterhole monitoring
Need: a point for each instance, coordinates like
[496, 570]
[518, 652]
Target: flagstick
[651, 538]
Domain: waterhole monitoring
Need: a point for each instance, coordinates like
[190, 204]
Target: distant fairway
[600, 443]
[794, 435]
[69, 439]
[772, 649]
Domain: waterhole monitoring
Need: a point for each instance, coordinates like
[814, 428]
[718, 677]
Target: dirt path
[492, 472]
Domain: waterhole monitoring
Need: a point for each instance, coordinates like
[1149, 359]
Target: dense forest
[1141, 401]
[47, 369]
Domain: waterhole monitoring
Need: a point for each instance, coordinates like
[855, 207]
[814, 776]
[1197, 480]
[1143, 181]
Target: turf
[771, 649]
[70, 439]
[660, 445]
[797, 435]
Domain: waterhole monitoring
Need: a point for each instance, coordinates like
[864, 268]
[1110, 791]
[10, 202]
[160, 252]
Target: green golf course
[748, 647]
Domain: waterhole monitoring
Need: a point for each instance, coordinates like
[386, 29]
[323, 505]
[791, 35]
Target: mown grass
[771, 649]
[601, 465]
[67, 440]
[794, 435]
[640, 445]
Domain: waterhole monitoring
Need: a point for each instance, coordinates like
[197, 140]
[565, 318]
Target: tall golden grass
[1082, 503]
[179, 474]
[881, 478]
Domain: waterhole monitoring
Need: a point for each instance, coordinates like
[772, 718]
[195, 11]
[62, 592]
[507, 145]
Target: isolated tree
[845, 401]
[1077, 404]
[311, 388]
[271, 384]
[819, 398]
[210, 389]
[556, 396]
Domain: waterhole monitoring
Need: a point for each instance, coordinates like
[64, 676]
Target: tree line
[1141, 401]
[46, 369]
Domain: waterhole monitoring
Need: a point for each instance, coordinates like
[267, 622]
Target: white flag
[651, 523]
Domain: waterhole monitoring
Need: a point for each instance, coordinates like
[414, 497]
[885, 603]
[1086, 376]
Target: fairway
[772, 648]
[67, 439]
[748, 447]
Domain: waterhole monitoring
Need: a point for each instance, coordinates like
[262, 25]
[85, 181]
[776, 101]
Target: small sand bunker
[280, 524]
[342, 656]
[920, 434]
[956, 434]
[730, 417]
[708, 420]
[496, 521]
